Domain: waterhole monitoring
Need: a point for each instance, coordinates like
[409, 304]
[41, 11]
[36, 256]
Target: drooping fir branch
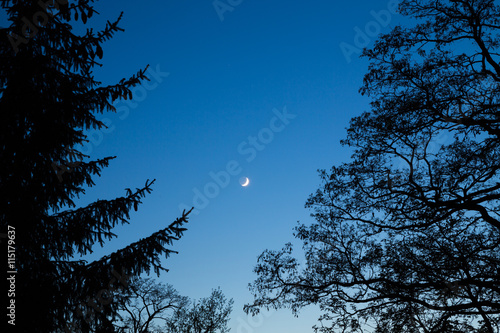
[102, 97]
[138, 257]
[85, 226]
[132, 260]
[70, 175]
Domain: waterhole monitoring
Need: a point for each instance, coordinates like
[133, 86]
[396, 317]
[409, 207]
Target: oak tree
[208, 315]
[150, 306]
[406, 236]
[146, 304]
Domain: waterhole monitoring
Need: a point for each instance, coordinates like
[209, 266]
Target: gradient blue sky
[225, 79]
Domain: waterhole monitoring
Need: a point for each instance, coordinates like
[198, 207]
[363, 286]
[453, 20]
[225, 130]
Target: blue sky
[219, 80]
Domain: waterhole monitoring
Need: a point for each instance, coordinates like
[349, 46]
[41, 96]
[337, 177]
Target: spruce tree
[48, 99]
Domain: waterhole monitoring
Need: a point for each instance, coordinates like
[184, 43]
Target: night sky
[257, 89]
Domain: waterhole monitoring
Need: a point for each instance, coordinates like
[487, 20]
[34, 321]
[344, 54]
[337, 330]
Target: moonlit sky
[226, 81]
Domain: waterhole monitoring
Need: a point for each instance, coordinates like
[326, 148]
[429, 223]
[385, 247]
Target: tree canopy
[406, 236]
[48, 99]
[145, 303]
[208, 315]
[150, 306]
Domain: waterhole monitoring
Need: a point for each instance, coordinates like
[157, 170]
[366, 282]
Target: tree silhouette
[145, 303]
[406, 235]
[48, 98]
[149, 306]
[208, 315]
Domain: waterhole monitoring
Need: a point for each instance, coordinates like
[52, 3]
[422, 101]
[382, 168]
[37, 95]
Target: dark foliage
[406, 235]
[48, 97]
[149, 306]
[208, 315]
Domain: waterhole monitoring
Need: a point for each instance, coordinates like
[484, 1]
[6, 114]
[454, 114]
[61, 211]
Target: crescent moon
[247, 181]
